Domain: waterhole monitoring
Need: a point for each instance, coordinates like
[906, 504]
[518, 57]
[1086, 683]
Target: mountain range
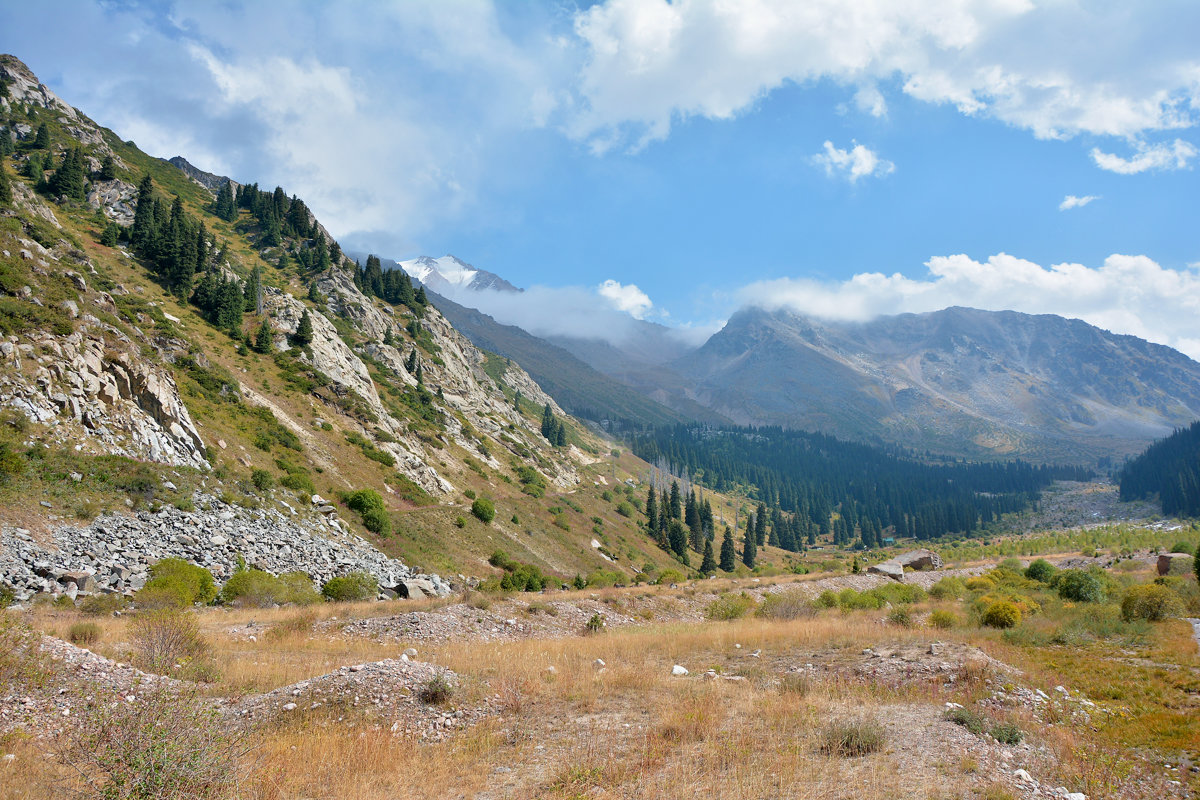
[960, 381]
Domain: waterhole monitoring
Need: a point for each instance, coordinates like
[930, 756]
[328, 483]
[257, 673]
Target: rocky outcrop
[93, 393]
[24, 87]
[117, 198]
[114, 553]
[1174, 563]
[914, 559]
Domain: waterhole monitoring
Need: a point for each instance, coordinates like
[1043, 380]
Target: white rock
[1020, 774]
[411, 652]
[290, 707]
[598, 664]
[679, 670]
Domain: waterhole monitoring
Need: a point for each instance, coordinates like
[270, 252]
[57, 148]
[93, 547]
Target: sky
[676, 161]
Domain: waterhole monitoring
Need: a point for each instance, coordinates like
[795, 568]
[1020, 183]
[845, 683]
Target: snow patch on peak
[450, 270]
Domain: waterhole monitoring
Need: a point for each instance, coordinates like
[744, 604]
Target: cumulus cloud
[1126, 294]
[1071, 201]
[857, 162]
[1164, 156]
[628, 298]
[651, 62]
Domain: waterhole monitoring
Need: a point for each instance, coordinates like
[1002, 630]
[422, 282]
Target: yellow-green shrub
[1150, 602]
[1001, 614]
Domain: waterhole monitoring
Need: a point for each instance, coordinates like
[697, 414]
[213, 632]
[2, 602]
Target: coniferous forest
[1169, 468]
[810, 476]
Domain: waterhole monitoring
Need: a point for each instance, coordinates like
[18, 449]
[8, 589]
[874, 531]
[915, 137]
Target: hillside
[1168, 470]
[960, 381]
[221, 335]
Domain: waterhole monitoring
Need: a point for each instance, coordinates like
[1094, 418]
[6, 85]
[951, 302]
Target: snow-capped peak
[448, 268]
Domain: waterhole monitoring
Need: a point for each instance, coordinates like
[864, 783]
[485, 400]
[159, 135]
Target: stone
[888, 569]
[1174, 563]
[411, 652]
[598, 664]
[679, 670]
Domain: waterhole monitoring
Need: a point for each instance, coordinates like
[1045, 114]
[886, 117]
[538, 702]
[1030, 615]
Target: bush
[1079, 586]
[787, 605]
[1002, 614]
[1151, 602]
[165, 744]
[853, 737]
[973, 721]
[900, 617]
[356, 586]
[84, 633]
[943, 619]
[1040, 570]
[595, 624]
[730, 606]
[484, 510]
[525, 578]
[102, 605]
[501, 560]
[365, 500]
[826, 599]
[174, 581]
[1007, 733]
[980, 583]
[298, 482]
[669, 576]
[460, 522]
[796, 683]
[162, 639]
[377, 521]
[625, 509]
[262, 479]
[948, 588]
[436, 691]
[253, 587]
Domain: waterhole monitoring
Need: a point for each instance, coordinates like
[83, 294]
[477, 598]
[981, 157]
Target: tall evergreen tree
[750, 547]
[225, 207]
[677, 538]
[142, 234]
[108, 169]
[263, 340]
[41, 139]
[728, 551]
[253, 289]
[410, 363]
[6, 195]
[420, 376]
[708, 565]
[652, 510]
[676, 503]
[760, 525]
[304, 331]
[69, 180]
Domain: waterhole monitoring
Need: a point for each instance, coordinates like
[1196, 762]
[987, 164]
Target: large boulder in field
[1174, 563]
[914, 559]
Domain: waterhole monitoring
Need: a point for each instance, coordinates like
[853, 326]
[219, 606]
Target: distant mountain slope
[1170, 469]
[963, 381]
[573, 384]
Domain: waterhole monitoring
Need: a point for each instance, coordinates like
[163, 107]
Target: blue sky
[840, 158]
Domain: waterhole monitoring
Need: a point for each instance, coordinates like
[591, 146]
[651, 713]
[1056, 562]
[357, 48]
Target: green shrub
[1007, 733]
[792, 604]
[298, 482]
[500, 560]
[484, 510]
[1079, 585]
[174, 581]
[1150, 602]
[377, 521]
[730, 606]
[595, 624]
[948, 588]
[852, 737]
[102, 605]
[624, 509]
[253, 587]
[469, 494]
[353, 587]
[84, 633]
[1010, 565]
[603, 578]
[298, 589]
[365, 500]
[459, 522]
[1002, 614]
[162, 639]
[436, 691]
[1040, 570]
[973, 721]
[525, 578]
[943, 619]
[669, 576]
[262, 479]
[826, 599]
[900, 617]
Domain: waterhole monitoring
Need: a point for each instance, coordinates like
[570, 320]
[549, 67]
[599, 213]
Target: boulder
[889, 568]
[1174, 563]
[919, 559]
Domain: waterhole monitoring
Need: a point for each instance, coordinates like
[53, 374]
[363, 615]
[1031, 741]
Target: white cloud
[630, 299]
[1071, 201]
[1126, 294]
[1164, 156]
[857, 162]
[1056, 69]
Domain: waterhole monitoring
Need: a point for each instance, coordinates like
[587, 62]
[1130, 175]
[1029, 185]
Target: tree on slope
[728, 551]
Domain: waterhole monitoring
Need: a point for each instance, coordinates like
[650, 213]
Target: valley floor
[484, 697]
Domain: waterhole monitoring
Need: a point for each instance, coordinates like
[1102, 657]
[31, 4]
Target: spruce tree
[108, 169]
[388, 338]
[750, 547]
[652, 510]
[708, 564]
[112, 232]
[253, 291]
[410, 363]
[760, 525]
[263, 340]
[677, 539]
[548, 423]
[1196, 563]
[728, 551]
[420, 376]
[676, 503]
[5, 187]
[42, 139]
[304, 331]
[7, 146]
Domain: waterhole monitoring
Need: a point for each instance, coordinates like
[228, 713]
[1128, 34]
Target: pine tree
[7, 145]
[708, 565]
[253, 290]
[410, 363]
[652, 510]
[142, 233]
[108, 169]
[388, 338]
[728, 551]
[760, 525]
[548, 423]
[420, 376]
[421, 298]
[69, 180]
[676, 503]
[42, 139]
[225, 207]
[304, 331]
[677, 538]
[750, 547]
[517, 400]
[6, 195]
[112, 232]
[263, 340]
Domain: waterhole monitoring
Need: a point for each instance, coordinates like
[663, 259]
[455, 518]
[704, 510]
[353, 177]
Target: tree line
[1169, 468]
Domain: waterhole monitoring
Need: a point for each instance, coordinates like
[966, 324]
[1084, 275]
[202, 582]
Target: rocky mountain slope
[962, 381]
[126, 386]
